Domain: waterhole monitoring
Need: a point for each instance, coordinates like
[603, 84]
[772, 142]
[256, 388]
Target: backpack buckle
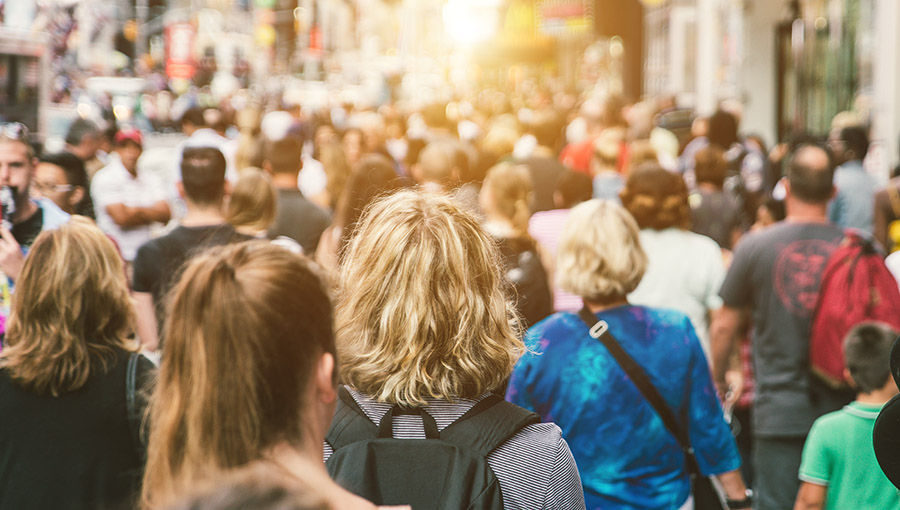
[598, 329]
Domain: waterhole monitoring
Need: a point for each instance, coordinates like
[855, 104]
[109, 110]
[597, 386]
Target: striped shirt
[535, 468]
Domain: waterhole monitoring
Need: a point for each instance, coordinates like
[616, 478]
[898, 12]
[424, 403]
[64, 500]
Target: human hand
[11, 257]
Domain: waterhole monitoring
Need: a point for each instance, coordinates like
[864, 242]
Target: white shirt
[312, 179]
[113, 184]
[684, 272]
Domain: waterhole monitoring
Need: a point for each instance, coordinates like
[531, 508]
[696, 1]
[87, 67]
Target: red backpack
[856, 287]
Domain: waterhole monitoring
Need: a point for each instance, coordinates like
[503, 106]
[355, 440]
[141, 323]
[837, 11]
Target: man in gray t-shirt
[775, 277]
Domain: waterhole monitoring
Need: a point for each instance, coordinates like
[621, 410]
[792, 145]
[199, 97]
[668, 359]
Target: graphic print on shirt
[798, 274]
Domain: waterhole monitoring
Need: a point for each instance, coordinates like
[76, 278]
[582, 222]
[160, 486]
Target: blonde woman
[423, 323]
[626, 456]
[65, 437]
[504, 199]
[252, 203]
[247, 374]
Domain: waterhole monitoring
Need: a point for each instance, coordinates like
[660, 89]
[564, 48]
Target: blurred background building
[791, 64]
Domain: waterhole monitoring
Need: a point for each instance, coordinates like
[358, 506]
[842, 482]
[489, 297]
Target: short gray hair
[600, 257]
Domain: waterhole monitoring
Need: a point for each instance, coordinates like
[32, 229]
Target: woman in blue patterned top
[626, 456]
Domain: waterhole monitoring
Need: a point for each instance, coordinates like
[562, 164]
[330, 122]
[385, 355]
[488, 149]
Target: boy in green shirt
[839, 470]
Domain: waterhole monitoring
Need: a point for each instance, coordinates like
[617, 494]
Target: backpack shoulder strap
[488, 424]
[894, 196]
[350, 424]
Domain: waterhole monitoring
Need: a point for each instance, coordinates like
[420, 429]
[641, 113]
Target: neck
[802, 212]
[706, 186]
[25, 208]
[878, 397]
[499, 226]
[306, 464]
[202, 216]
[542, 150]
[284, 181]
[599, 307]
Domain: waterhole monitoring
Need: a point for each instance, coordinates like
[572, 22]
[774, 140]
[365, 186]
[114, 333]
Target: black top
[524, 270]
[159, 261]
[545, 172]
[27, 231]
[715, 214]
[299, 219]
[74, 451]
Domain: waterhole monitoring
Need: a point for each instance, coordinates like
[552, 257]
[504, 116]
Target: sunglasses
[15, 131]
[46, 187]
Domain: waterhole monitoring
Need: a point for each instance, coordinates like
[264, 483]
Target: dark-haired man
[61, 178]
[854, 204]
[203, 188]
[296, 217]
[775, 275]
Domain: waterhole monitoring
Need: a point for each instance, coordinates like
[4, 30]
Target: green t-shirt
[838, 454]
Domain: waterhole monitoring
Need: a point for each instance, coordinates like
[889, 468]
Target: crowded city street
[449, 254]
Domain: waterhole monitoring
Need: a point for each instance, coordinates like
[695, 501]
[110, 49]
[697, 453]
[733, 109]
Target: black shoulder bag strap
[134, 417]
[600, 331]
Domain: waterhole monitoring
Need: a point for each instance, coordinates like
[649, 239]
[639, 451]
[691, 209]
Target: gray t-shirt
[777, 273]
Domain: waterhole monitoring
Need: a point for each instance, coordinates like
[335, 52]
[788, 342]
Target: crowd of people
[454, 307]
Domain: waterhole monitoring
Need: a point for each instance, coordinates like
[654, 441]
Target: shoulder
[53, 215]
[536, 469]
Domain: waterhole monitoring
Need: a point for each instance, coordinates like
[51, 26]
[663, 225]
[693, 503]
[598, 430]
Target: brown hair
[710, 166]
[246, 324]
[71, 310]
[337, 170]
[511, 191]
[373, 177]
[422, 311]
[253, 202]
[656, 198]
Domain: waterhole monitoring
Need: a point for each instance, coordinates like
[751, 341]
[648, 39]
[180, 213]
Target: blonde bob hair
[246, 325]
[253, 202]
[71, 310]
[422, 309]
[600, 257]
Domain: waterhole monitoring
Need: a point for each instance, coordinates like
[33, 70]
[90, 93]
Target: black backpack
[446, 471]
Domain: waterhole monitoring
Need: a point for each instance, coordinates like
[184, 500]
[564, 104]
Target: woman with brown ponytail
[685, 269]
[247, 375]
[504, 200]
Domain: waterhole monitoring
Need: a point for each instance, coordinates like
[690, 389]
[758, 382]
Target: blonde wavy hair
[253, 202]
[422, 311]
[511, 191]
[600, 257]
[70, 313]
[246, 325]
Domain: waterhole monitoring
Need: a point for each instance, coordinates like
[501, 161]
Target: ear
[558, 200]
[226, 188]
[416, 173]
[267, 167]
[325, 391]
[849, 378]
[180, 187]
[76, 196]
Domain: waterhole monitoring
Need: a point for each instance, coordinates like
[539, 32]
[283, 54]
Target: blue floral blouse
[626, 456]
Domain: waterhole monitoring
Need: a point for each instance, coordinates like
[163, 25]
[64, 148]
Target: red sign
[179, 51]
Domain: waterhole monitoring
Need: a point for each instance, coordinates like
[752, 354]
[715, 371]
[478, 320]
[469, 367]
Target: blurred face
[324, 134]
[50, 182]
[129, 152]
[353, 146]
[16, 168]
